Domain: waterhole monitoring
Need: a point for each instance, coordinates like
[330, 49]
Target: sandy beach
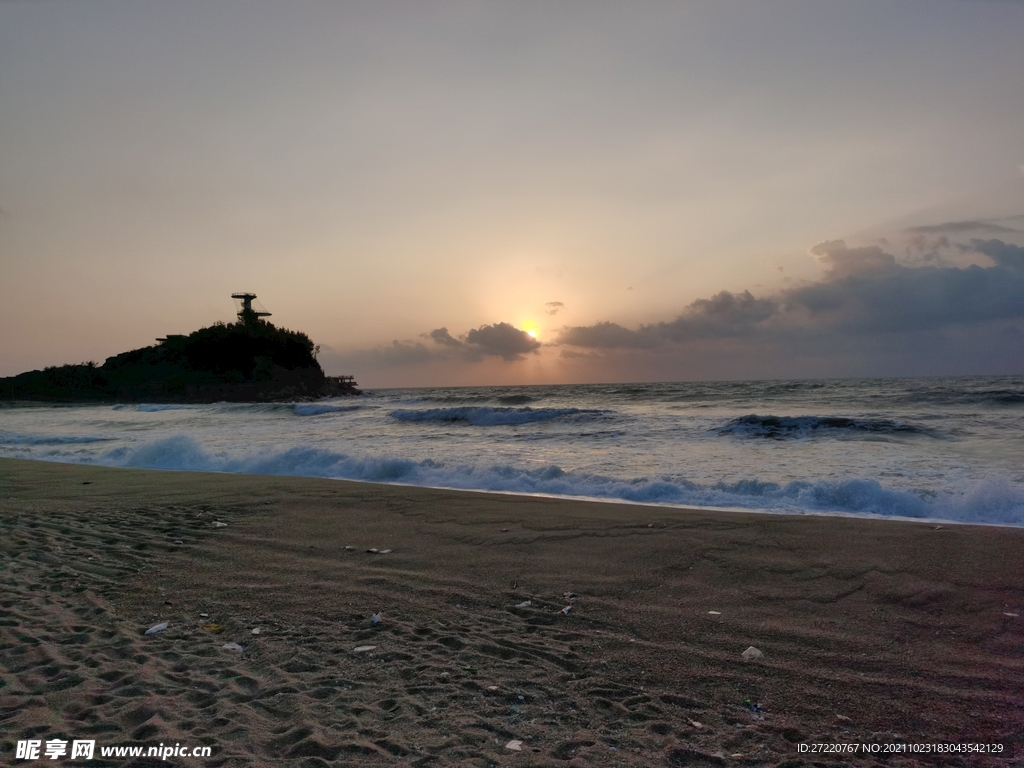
[510, 630]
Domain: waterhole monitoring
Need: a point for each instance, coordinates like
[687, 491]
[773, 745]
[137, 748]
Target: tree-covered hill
[251, 360]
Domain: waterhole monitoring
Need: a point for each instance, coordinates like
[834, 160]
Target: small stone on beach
[256, 631]
[232, 647]
[157, 628]
[364, 648]
[524, 604]
[752, 653]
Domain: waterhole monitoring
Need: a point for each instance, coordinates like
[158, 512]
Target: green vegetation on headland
[248, 361]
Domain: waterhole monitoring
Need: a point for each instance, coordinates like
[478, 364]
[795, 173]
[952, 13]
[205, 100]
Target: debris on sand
[158, 628]
[524, 604]
[752, 653]
[566, 610]
[233, 647]
[714, 613]
[213, 627]
[516, 745]
[375, 551]
[375, 618]
[219, 524]
[364, 648]
[256, 630]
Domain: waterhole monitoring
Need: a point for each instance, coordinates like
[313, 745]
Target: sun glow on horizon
[530, 327]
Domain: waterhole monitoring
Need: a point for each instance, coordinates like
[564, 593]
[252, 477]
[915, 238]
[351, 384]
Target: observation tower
[247, 314]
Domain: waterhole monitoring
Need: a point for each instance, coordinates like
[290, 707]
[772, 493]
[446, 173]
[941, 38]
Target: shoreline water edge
[942, 449]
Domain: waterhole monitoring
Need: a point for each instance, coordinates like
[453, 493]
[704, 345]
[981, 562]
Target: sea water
[946, 449]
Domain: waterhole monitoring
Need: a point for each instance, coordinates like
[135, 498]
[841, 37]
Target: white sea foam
[994, 501]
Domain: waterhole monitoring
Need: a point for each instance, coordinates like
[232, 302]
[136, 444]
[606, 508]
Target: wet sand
[871, 631]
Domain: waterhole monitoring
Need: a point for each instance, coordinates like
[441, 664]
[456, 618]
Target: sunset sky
[521, 192]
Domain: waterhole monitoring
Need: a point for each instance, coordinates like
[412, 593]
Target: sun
[532, 334]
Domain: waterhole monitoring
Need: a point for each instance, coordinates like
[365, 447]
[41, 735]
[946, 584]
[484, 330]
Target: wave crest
[8, 438]
[316, 409]
[797, 427]
[483, 416]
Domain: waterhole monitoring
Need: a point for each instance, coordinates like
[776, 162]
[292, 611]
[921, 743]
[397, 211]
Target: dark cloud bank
[866, 303]
[868, 315]
[501, 340]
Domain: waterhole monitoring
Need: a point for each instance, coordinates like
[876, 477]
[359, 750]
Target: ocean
[948, 449]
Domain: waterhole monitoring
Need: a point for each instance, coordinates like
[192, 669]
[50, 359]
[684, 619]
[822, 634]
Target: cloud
[1003, 254]
[841, 261]
[961, 227]
[607, 335]
[499, 340]
[863, 291]
[502, 340]
[554, 307]
[441, 336]
[903, 298]
[724, 314]
[397, 353]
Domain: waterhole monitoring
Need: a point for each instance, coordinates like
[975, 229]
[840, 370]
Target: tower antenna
[247, 314]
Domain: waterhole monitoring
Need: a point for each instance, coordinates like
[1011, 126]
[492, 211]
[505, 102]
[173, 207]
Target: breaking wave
[7, 438]
[797, 427]
[482, 416]
[474, 398]
[153, 407]
[992, 501]
[315, 409]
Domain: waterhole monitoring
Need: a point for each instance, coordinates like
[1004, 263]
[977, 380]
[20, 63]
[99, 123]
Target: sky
[468, 193]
